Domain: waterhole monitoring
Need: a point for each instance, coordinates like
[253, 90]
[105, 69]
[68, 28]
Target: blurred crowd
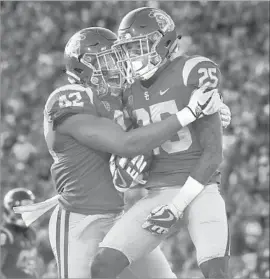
[234, 34]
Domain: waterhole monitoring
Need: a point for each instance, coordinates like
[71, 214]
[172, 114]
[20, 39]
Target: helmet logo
[164, 21]
[74, 44]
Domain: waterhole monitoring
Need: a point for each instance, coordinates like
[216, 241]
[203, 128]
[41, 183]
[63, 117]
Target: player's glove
[128, 173]
[225, 115]
[203, 101]
[161, 219]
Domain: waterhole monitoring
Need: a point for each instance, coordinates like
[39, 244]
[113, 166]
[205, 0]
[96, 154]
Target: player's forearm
[105, 135]
[145, 139]
[209, 133]
[207, 165]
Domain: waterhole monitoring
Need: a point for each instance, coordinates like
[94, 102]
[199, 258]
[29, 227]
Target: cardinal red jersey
[167, 94]
[81, 175]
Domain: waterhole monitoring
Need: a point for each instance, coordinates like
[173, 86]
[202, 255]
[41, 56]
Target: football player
[81, 134]
[184, 173]
[18, 242]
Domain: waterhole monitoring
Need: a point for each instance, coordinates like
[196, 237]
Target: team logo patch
[74, 44]
[164, 21]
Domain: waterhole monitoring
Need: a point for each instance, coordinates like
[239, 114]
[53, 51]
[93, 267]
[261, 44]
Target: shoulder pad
[73, 99]
[195, 71]
[69, 99]
[6, 236]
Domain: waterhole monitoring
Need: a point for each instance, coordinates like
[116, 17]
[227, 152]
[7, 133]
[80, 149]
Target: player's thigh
[128, 236]
[71, 252]
[207, 224]
[152, 265]
[75, 240]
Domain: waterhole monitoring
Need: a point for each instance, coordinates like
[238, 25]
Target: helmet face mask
[15, 218]
[146, 38]
[138, 56]
[90, 60]
[16, 197]
[105, 70]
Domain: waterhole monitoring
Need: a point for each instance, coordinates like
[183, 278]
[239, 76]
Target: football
[121, 176]
[122, 162]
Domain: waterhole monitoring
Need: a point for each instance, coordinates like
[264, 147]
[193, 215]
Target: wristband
[185, 116]
[191, 189]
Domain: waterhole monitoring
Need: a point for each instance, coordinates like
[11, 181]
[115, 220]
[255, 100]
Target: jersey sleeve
[67, 101]
[199, 70]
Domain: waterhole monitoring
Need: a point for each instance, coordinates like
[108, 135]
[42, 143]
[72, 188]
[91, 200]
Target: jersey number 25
[184, 140]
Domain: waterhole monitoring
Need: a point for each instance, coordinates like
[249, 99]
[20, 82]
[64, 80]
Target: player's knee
[216, 268]
[108, 263]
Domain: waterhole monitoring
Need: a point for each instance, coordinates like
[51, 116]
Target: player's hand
[204, 101]
[161, 219]
[225, 115]
[128, 173]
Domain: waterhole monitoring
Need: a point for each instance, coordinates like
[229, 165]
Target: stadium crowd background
[233, 34]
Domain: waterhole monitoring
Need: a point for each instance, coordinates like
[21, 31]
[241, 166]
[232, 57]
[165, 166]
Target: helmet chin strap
[147, 71]
[129, 77]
